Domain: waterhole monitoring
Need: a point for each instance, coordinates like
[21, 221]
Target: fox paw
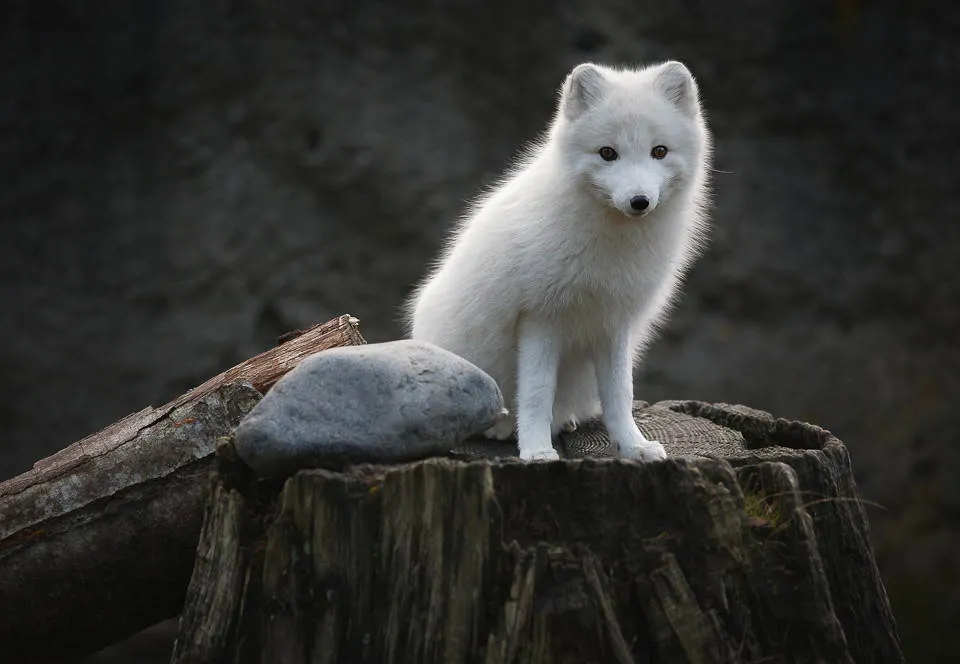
[645, 450]
[539, 454]
[502, 430]
[570, 425]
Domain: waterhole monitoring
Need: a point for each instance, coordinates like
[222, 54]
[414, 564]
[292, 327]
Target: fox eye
[659, 152]
[607, 153]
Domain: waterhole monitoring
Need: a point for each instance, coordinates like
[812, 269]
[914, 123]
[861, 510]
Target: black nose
[639, 203]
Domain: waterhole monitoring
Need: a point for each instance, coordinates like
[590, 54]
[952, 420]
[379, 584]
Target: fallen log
[749, 544]
[98, 540]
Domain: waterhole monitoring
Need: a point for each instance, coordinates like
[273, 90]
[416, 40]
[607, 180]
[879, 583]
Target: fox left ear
[584, 87]
[676, 83]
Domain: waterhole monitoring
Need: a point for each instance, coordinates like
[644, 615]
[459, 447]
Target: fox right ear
[676, 82]
[583, 88]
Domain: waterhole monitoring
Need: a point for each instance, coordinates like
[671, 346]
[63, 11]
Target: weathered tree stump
[97, 541]
[749, 544]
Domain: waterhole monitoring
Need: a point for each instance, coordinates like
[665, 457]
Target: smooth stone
[378, 403]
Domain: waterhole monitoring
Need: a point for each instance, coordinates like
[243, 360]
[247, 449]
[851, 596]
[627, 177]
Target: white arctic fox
[555, 279]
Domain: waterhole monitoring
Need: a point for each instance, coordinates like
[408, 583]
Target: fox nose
[639, 203]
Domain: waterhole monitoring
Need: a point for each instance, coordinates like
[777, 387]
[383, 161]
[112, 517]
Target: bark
[719, 554]
[98, 540]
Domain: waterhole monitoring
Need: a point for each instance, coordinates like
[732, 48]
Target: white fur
[552, 283]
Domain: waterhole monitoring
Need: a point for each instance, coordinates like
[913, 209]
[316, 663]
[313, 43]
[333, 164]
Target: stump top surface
[686, 429]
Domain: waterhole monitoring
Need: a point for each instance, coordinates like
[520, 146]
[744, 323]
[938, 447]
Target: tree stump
[749, 544]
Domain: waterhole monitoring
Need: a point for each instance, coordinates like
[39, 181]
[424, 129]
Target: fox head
[632, 138]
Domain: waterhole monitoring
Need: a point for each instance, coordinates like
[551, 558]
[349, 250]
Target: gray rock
[386, 402]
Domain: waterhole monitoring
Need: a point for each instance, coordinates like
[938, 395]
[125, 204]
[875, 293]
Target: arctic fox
[555, 279]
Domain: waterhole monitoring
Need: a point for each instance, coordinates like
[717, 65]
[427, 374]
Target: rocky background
[181, 182]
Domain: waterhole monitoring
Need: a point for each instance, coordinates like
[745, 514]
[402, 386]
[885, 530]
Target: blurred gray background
[182, 182]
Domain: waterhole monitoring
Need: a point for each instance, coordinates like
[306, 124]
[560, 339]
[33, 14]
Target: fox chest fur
[603, 270]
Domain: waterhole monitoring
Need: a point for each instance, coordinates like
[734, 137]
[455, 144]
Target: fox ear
[584, 87]
[676, 83]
